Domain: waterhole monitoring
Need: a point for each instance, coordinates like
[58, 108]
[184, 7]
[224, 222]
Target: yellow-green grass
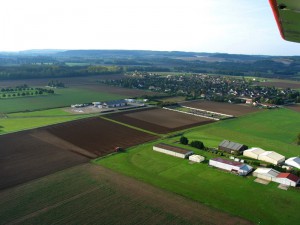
[262, 204]
[62, 97]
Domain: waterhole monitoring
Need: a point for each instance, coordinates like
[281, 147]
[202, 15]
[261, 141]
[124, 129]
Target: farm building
[115, 103]
[253, 152]
[232, 147]
[171, 150]
[196, 158]
[271, 157]
[287, 179]
[266, 173]
[294, 162]
[232, 166]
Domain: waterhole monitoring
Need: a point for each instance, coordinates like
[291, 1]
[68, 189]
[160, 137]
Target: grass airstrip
[263, 204]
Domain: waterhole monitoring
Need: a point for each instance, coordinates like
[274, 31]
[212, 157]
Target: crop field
[28, 155]
[91, 194]
[220, 107]
[99, 136]
[294, 107]
[35, 153]
[159, 120]
[280, 84]
[236, 195]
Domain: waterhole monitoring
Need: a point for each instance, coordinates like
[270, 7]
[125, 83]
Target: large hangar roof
[173, 148]
[255, 150]
[272, 155]
[231, 145]
[294, 161]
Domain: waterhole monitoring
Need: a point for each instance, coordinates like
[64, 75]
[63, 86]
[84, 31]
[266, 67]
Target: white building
[232, 166]
[294, 162]
[266, 173]
[271, 157]
[287, 179]
[196, 158]
[253, 152]
[171, 150]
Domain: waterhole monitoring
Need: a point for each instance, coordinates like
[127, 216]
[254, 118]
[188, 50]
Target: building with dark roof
[171, 150]
[232, 166]
[115, 103]
[232, 147]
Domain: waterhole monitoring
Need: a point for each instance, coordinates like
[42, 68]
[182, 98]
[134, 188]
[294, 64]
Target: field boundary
[130, 126]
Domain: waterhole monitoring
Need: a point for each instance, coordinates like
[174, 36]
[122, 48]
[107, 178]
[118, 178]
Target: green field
[23, 121]
[272, 130]
[62, 97]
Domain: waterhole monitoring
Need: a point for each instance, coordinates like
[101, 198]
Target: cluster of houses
[238, 166]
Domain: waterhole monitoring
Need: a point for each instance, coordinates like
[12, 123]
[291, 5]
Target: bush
[184, 140]
[197, 144]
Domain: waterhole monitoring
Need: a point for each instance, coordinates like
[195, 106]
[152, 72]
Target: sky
[226, 26]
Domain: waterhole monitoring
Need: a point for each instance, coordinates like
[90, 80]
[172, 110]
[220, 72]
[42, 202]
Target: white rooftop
[267, 172]
[255, 150]
[272, 155]
[294, 161]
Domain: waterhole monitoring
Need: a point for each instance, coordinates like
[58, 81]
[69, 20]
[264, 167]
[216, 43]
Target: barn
[253, 152]
[232, 166]
[288, 179]
[196, 158]
[271, 157]
[171, 150]
[232, 147]
[294, 162]
[266, 173]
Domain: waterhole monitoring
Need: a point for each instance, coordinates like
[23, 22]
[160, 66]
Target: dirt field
[283, 84]
[220, 107]
[28, 155]
[25, 156]
[98, 136]
[294, 107]
[89, 194]
[159, 120]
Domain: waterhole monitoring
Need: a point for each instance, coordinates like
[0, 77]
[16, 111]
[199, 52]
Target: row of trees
[195, 144]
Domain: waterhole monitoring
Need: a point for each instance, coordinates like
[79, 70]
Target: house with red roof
[288, 179]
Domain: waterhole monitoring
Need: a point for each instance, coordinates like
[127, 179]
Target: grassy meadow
[23, 121]
[62, 97]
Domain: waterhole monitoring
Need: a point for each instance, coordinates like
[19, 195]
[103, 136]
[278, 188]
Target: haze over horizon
[230, 26]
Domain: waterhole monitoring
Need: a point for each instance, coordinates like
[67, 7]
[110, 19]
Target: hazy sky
[231, 26]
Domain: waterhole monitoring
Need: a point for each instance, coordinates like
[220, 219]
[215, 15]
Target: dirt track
[159, 120]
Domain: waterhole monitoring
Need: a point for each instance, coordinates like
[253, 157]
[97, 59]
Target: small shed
[196, 158]
[287, 179]
[232, 147]
[232, 166]
[171, 150]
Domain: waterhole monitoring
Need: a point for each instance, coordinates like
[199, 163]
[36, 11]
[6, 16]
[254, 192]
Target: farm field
[31, 154]
[262, 204]
[28, 155]
[280, 84]
[220, 107]
[255, 130]
[294, 107]
[28, 120]
[88, 194]
[159, 120]
[99, 136]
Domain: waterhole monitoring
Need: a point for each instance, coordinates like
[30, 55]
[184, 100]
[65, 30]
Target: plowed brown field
[159, 120]
[221, 107]
[28, 155]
